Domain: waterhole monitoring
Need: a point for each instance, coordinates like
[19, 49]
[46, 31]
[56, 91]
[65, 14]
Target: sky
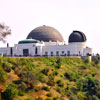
[64, 15]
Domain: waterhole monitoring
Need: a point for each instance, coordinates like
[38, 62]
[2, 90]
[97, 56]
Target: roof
[77, 36]
[28, 41]
[46, 34]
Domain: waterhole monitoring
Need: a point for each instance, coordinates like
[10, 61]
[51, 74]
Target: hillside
[49, 78]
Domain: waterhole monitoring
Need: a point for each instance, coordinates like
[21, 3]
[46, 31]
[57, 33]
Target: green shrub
[73, 97]
[71, 76]
[45, 71]
[96, 61]
[94, 97]
[21, 93]
[59, 82]
[49, 94]
[55, 98]
[55, 73]
[37, 89]
[39, 98]
[90, 85]
[10, 92]
[6, 66]
[2, 76]
[86, 60]
[23, 86]
[48, 99]
[59, 90]
[46, 88]
[51, 83]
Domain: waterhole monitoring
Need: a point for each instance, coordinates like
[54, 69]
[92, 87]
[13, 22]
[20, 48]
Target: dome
[28, 41]
[46, 34]
[77, 36]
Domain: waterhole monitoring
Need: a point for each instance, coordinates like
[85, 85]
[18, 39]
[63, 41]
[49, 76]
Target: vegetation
[49, 78]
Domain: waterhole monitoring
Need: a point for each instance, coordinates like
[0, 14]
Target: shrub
[45, 71]
[59, 90]
[55, 98]
[2, 76]
[46, 88]
[96, 61]
[70, 76]
[58, 63]
[55, 73]
[59, 82]
[21, 93]
[73, 97]
[6, 67]
[49, 94]
[48, 99]
[94, 97]
[90, 85]
[10, 92]
[51, 83]
[37, 89]
[23, 86]
[39, 98]
[86, 60]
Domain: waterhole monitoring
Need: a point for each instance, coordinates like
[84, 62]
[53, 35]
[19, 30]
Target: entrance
[25, 52]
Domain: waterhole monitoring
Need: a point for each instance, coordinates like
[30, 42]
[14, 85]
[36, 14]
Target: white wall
[74, 49]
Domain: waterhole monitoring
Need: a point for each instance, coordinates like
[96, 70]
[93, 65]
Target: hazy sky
[64, 15]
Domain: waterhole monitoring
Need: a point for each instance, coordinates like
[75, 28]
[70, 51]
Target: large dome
[45, 33]
[77, 36]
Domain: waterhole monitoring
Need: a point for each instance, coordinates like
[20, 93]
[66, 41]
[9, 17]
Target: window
[51, 53]
[62, 52]
[46, 53]
[36, 51]
[25, 52]
[57, 53]
[68, 53]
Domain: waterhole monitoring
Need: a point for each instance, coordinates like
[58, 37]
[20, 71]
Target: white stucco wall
[73, 48]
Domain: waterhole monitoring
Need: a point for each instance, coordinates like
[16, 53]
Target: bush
[70, 76]
[90, 85]
[86, 60]
[2, 76]
[58, 63]
[59, 90]
[10, 92]
[55, 73]
[37, 89]
[96, 61]
[6, 67]
[51, 83]
[45, 71]
[39, 98]
[59, 82]
[48, 99]
[21, 93]
[94, 97]
[23, 86]
[55, 98]
[46, 88]
[49, 94]
[73, 97]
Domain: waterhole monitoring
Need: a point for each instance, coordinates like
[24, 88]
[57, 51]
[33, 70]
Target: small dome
[28, 41]
[77, 36]
[46, 34]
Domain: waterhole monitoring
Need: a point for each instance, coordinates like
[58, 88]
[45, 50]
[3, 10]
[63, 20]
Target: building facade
[47, 41]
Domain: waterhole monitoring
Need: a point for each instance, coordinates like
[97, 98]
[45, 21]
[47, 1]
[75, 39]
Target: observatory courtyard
[47, 41]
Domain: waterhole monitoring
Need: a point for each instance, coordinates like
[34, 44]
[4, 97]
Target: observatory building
[47, 41]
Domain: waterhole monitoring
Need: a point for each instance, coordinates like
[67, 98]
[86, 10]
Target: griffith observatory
[47, 41]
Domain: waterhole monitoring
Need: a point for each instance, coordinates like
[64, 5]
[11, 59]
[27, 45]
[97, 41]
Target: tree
[4, 31]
